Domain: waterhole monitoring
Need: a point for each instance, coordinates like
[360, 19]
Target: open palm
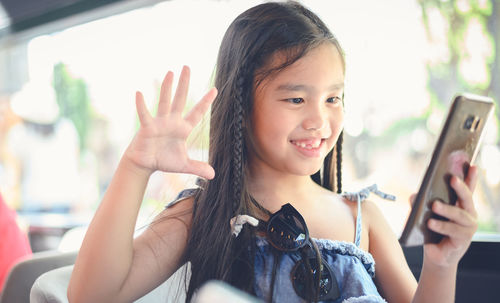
[160, 143]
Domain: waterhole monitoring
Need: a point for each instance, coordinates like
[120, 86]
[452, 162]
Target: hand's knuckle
[463, 216]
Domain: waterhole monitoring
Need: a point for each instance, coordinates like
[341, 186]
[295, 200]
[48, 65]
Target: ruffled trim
[339, 247]
[365, 299]
[348, 248]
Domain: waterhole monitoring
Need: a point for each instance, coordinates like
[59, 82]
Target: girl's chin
[308, 171]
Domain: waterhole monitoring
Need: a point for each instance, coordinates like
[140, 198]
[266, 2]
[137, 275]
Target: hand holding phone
[453, 154]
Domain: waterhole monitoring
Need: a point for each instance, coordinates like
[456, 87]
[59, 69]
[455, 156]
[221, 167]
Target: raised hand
[160, 143]
[461, 226]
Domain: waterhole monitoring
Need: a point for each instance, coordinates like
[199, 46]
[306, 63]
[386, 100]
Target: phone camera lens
[468, 122]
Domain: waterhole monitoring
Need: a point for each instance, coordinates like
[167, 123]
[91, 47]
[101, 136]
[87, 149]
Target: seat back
[22, 276]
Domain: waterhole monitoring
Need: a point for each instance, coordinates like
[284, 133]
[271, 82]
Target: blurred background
[69, 71]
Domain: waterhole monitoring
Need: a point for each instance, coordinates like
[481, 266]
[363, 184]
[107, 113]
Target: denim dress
[353, 267]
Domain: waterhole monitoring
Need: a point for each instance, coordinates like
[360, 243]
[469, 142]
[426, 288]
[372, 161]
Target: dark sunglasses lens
[286, 232]
[304, 281]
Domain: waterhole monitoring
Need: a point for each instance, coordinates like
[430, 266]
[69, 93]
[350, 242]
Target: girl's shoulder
[181, 207]
[365, 207]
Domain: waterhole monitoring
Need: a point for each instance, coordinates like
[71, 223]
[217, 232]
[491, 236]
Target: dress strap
[361, 196]
[184, 194]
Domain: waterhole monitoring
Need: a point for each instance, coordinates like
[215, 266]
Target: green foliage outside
[450, 72]
[467, 34]
[473, 60]
[472, 34]
[73, 100]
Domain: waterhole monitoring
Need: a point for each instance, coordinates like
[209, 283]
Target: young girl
[275, 154]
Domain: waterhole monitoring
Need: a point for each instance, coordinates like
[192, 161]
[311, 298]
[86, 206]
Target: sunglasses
[312, 277]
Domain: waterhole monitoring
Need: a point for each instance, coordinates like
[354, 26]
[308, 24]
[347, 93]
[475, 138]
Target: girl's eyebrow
[302, 87]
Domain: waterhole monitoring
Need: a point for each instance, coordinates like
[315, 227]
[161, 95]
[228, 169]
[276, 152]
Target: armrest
[52, 286]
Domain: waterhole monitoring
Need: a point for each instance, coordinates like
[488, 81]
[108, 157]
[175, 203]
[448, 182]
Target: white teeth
[307, 146]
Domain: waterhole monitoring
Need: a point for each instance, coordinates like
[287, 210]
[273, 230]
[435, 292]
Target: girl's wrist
[430, 265]
[128, 164]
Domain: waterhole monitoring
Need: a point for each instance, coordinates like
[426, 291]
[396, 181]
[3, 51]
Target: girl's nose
[315, 118]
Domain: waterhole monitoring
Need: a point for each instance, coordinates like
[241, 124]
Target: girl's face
[298, 113]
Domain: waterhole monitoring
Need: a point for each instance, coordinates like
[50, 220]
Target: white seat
[51, 287]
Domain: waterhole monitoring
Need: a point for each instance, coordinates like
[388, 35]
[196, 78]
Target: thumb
[201, 169]
[412, 198]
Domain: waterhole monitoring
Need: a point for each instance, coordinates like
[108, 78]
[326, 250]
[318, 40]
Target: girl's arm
[438, 275]
[439, 271]
[393, 277]
[111, 266]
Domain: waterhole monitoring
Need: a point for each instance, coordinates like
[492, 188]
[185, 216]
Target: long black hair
[249, 43]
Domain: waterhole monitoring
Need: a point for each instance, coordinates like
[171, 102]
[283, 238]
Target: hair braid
[339, 161]
[238, 139]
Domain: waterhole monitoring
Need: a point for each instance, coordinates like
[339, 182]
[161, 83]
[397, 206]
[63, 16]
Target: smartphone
[455, 151]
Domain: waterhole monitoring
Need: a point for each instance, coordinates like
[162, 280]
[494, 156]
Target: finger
[453, 213]
[451, 229]
[181, 92]
[195, 115]
[464, 195]
[472, 176]
[201, 169]
[412, 198]
[142, 110]
[165, 94]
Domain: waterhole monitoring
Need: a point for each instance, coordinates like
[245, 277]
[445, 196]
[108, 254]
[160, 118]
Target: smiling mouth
[308, 144]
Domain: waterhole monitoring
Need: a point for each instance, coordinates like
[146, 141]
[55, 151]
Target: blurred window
[405, 62]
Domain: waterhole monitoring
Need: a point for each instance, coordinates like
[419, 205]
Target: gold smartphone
[454, 152]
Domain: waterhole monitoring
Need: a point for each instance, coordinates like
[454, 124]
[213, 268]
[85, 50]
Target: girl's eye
[333, 100]
[295, 100]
